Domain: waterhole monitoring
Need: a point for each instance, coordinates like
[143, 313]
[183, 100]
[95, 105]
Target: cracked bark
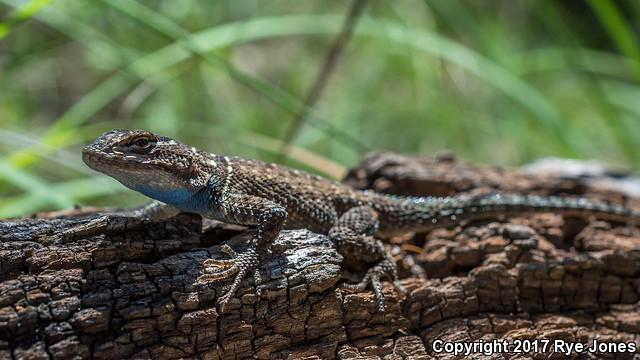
[124, 288]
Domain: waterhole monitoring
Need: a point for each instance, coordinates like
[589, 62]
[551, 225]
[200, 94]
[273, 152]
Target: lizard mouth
[97, 160]
[90, 158]
[100, 161]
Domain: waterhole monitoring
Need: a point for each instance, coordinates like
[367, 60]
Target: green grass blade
[618, 29]
[551, 59]
[23, 13]
[503, 79]
[34, 186]
[76, 190]
[14, 140]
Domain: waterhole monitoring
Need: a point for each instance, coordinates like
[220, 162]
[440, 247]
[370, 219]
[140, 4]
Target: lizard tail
[427, 213]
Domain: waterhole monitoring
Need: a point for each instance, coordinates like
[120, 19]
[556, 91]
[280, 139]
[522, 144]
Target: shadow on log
[81, 284]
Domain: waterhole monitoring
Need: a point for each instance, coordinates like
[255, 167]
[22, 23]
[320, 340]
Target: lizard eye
[141, 145]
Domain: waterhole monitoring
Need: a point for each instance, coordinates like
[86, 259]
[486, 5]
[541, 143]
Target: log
[88, 283]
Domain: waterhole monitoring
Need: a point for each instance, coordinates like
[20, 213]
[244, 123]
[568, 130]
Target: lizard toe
[362, 285]
[257, 281]
[218, 263]
[216, 276]
[226, 249]
[373, 276]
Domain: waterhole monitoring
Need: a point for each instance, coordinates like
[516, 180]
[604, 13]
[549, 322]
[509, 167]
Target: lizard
[271, 197]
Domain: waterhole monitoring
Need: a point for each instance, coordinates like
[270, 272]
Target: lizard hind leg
[353, 236]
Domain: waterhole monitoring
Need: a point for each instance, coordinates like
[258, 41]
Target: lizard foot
[224, 264]
[240, 264]
[385, 267]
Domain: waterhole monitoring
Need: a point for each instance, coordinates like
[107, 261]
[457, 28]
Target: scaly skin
[271, 197]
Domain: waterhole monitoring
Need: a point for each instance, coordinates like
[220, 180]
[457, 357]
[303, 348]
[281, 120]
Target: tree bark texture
[83, 284]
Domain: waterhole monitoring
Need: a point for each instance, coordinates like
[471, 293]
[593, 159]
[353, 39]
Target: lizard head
[157, 166]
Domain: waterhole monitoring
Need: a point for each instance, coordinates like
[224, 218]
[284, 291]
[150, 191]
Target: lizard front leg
[268, 217]
[155, 210]
[353, 236]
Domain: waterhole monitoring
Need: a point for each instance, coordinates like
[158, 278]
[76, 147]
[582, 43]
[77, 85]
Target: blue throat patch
[181, 198]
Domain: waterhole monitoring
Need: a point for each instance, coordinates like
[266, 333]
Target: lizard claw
[241, 263]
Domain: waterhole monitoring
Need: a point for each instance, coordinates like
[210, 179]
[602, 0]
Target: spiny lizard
[271, 197]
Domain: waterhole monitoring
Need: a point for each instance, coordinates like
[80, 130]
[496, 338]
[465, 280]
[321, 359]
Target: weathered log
[86, 285]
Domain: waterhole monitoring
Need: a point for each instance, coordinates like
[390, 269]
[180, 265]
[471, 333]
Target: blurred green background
[499, 82]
